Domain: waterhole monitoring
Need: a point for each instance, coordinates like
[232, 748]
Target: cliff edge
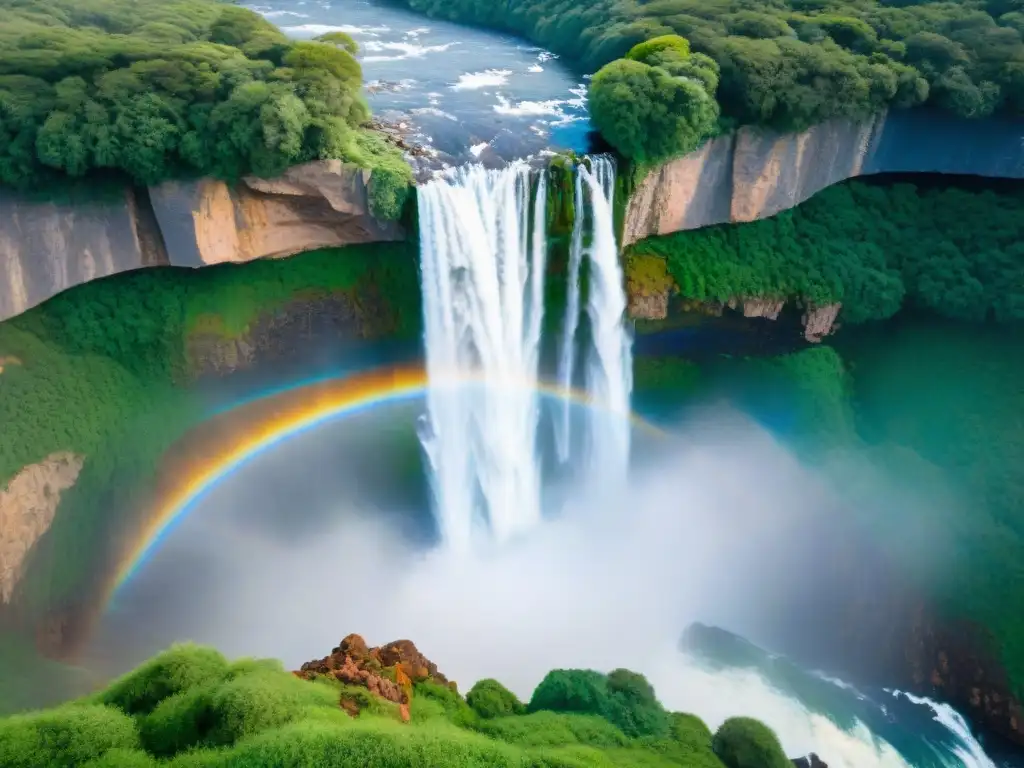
[755, 173]
[46, 248]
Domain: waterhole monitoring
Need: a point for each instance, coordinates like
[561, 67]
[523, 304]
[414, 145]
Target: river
[464, 93]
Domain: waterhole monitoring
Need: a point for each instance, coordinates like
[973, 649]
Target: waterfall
[567, 347]
[483, 252]
[482, 278]
[609, 367]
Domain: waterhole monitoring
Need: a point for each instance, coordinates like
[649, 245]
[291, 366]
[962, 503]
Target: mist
[718, 525]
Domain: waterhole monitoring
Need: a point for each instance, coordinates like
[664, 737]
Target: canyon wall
[46, 248]
[755, 173]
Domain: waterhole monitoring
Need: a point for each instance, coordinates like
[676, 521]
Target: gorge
[115, 385]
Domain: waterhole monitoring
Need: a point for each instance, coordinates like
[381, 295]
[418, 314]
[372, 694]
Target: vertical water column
[609, 363]
[483, 285]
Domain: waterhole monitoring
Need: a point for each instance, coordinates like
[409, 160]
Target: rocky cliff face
[46, 248]
[755, 173]
[27, 508]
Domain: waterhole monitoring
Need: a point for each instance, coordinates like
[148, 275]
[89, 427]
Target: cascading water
[482, 281]
[483, 257]
[610, 360]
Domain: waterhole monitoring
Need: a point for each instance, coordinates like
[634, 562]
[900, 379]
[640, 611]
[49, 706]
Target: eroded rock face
[756, 173]
[388, 671]
[27, 508]
[314, 205]
[46, 248]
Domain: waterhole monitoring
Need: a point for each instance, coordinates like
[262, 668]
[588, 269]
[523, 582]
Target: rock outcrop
[46, 248]
[389, 671]
[755, 173]
[27, 508]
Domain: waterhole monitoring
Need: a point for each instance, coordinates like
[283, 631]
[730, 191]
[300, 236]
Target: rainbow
[263, 424]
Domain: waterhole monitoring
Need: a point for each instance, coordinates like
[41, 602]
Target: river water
[466, 93]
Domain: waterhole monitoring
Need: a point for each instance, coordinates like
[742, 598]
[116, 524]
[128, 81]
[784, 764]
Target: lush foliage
[794, 63]
[874, 248]
[190, 708]
[656, 102]
[742, 742]
[489, 699]
[622, 697]
[157, 90]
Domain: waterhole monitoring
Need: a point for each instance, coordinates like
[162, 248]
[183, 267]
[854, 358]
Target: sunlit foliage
[189, 707]
[157, 90]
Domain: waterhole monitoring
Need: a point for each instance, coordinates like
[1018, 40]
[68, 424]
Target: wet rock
[811, 761]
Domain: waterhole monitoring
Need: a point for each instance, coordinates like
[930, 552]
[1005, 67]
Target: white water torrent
[571, 321]
[609, 368]
[483, 256]
[482, 279]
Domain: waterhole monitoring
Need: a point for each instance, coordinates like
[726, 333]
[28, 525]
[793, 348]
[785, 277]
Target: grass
[190, 708]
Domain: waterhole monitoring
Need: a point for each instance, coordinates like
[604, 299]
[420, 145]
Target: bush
[66, 737]
[623, 698]
[222, 713]
[489, 698]
[675, 43]
[174, 671]
[649, 114]
[742, 742]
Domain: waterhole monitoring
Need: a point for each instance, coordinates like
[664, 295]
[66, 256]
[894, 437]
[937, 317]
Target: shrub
[489, 698]
[742, 742]
[648, 114]
[225, 712]
[446, 701]
[623, 698]
[675, 43]
[173, 671]
[66, 737]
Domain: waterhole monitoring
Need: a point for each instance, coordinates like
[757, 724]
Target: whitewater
[484, 258]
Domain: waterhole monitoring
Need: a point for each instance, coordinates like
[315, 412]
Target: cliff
[46, 248]
[28, 505]
[755, 173]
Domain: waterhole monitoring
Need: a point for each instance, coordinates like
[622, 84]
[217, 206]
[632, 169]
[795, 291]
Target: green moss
[262, 716]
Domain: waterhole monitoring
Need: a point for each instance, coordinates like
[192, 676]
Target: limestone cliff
[46, 248]
[756, 173]
[27, 508]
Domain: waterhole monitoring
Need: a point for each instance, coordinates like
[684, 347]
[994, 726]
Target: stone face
[46, 248]
[756, 173]
[314, 205]
[27, 508]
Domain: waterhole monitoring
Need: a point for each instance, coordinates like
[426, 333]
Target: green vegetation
[742, 742]
[191, 87]
[874, 248]
[190, 708]
[100, 371]
[786, 64]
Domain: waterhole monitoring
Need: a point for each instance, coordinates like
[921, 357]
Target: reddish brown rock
[388, 671]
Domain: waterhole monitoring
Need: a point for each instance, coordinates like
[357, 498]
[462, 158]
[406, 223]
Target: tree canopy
[159, 89]
[792, 63]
